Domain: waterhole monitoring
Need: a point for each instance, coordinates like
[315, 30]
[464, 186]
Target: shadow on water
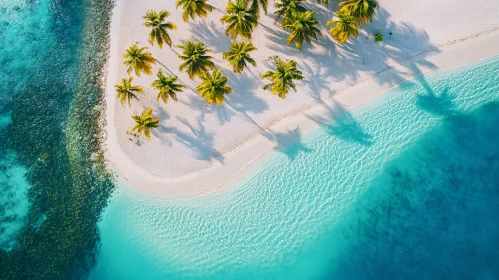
[432, 212]
[339, 122]
[323, 63]
[288, 143]
[441, 104]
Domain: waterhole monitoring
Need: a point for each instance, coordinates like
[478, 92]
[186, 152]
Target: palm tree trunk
[173, 50]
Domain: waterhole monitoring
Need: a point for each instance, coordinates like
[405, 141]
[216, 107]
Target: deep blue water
[406, 186]
[433, 212]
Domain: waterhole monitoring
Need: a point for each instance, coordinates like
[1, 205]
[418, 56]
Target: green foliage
[138, 60]
[282, 80]
[284, 8]
[260, 3]
[362, 10]
[167, 86]
[240, 19]
[325, 2]
[127, 92]
[195, 59]
[144, 122]
[378, 37]
[213, 87]
[303, 27]
[159, 28]
[343, 27]
[194, 8]
[239, 55]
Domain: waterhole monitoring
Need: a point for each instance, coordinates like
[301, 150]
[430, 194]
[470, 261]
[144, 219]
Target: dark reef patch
[56, 135]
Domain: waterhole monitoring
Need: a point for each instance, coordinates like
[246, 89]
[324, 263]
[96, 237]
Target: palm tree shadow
[344, 125]
[172, 73]
[207, 31]
[243, 98]
[288, 143]
[404, 45]
[442, 105]
[198, 140]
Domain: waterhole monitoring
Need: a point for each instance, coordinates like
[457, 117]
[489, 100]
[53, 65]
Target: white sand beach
[200, 149]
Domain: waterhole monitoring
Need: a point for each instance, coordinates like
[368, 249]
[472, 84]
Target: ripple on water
[307, 210]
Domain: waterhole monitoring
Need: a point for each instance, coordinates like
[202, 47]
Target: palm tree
[159, 32]
[302, 26]
[286, 7]
[167, 86]
[193, 8]
[144, 123]
[195, 59]
[139, 60]
[238, 55]
[362, 10]
[325, 2]
[256, 5]
[281, 80]
[240, 19]
[214, 88]
[344, 26]
[126, 92]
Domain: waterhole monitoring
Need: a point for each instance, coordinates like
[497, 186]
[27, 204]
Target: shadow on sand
[323, 64]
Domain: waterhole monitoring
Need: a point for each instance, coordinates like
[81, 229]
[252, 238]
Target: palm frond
[145, 122]
[281, 81]
[196, 62]
[302, 26]
[239, 55]
[139, 60]
[194, 8]
[213, 87]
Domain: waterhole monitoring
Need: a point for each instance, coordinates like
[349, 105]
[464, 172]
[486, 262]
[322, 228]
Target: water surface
[406, 186]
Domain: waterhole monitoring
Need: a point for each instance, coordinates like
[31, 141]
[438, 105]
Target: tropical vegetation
[214, 87]
[303, 27]
[343, 27]
[281, 81]
[159, 28]
[238, 55]
[138, 60]
[241, 18]
[362, 10]
[194, 8]
[126, 91]
[196, 62]
[145, 122]
[284, 8]
[167, 86]
[260, 3]
[325, 2]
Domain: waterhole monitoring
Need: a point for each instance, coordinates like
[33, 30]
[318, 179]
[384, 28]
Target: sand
[200, 149]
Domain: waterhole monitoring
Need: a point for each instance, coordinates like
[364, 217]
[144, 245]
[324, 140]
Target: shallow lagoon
[406, 186]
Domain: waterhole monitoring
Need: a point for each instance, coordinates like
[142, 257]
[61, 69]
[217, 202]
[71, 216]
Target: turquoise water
[406, 186]
[52, 185]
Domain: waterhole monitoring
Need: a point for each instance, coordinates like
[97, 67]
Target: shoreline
[239, 161]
